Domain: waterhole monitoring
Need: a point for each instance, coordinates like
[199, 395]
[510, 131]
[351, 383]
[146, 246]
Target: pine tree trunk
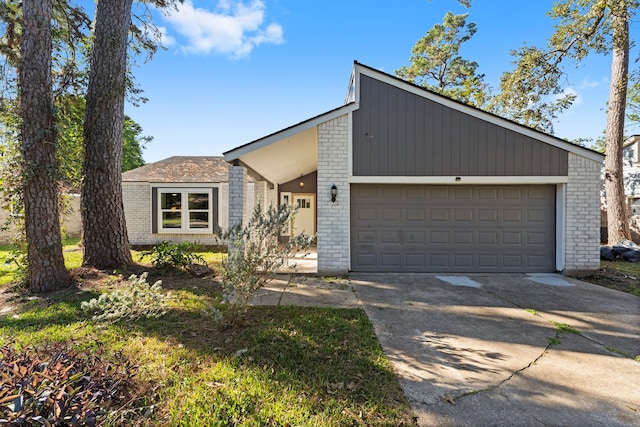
[105, 239]
[617, 208]
[46, 270]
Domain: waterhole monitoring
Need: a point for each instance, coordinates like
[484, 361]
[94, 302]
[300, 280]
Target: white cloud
[570, 91]
[233, 28]
[165, 38]
[588, 84]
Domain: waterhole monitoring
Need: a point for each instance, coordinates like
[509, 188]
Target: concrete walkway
[499, 349]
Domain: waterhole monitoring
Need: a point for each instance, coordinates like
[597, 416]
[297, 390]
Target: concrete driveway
[510, 349]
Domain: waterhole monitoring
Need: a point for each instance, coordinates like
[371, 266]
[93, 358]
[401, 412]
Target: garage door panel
[463, 214]
[453, 228]
[415, 260]
[415, 214]
[488, 261]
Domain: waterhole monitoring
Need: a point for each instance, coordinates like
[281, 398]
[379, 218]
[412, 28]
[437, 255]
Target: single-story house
[402, 179]
[179, 199]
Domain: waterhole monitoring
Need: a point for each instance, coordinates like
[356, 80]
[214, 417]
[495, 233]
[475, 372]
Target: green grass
[628, 268]
[71, 251]
[631, 268]
[563, 327]
[285, 366]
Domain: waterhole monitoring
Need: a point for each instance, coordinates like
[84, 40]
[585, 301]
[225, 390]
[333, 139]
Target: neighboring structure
[70, 220]
[631, 170]
[180, 199]
[401, 179]
[631, 173]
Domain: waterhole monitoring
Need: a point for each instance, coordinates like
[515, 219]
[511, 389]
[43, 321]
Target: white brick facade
[138, 214]
[237, 195]
[582, 229]
[333, 218]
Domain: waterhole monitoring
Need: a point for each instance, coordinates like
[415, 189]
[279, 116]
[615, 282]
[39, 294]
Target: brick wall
[137, 208]
[237, 194]
[137, 212]
[582, 215]
[333, 218]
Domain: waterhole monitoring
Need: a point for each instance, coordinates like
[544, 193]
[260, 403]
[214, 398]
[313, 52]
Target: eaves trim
[238, 152]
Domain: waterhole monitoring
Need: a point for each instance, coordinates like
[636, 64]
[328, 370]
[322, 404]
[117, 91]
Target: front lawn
[620, 275]
[280, 366]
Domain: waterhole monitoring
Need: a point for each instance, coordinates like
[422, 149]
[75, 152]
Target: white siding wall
[333, 218]
[582, 215]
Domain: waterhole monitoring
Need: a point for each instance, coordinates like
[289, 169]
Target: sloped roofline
[631, 140]
[352, 103]
[236, 153]
[472, 111]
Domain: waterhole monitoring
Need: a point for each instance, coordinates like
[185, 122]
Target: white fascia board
[482, 115]
[237, 153]
[461, 180]
[561, 225]
[631, 140]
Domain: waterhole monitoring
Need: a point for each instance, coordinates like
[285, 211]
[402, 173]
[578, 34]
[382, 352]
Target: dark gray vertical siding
[215, 206]
[397, 133]
[154, 210]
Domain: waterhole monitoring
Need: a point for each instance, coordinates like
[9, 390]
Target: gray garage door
[473, 228]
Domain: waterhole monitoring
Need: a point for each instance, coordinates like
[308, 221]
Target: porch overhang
[287, 154]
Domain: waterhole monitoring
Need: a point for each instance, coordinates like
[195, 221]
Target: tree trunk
[105, 239]
[617, 208]
[46, 270]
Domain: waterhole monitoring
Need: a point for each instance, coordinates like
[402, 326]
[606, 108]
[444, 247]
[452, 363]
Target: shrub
[256, 255]
[138, 300]
[59, 386]
[174, 255]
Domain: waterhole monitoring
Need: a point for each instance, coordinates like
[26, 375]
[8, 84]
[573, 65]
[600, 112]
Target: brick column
[333, 217]
[237, 196]
[582, 238]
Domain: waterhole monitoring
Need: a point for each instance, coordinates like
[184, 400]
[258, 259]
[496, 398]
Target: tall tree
[617, 207]
[70, 122]
[585, 27]
[436, 63]
[46, 269]
[104, 229]
[105, 241]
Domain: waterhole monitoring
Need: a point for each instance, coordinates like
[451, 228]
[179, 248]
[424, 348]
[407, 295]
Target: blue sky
[235, 71]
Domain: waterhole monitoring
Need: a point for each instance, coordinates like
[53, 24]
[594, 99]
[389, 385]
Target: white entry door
[305, 219]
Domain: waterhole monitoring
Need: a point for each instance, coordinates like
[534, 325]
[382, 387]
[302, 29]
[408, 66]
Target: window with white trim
[185, 210]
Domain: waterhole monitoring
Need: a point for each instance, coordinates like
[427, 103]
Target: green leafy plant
[174, 255]
[57, 385]
[256, 255]
[563, 327]
[554, 341]
[137, 300]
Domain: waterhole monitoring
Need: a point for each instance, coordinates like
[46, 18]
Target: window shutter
[214, 205]
[154, 210]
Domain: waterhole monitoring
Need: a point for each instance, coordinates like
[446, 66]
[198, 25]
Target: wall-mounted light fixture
[301, 185]
[334, 193]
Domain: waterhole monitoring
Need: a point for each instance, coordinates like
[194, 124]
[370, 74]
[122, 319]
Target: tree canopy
[436, 63]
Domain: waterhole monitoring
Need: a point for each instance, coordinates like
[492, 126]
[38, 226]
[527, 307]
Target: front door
[305, 219]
